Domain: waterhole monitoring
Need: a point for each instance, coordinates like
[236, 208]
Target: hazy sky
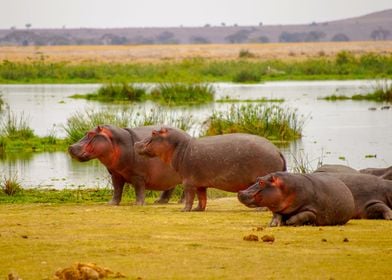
[136, 13]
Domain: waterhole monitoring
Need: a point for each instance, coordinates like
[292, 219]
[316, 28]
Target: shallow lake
[343, 132]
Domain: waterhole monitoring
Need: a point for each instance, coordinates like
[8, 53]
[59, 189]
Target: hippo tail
[284, 162]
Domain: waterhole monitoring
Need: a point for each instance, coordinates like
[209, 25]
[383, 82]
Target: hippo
[298, 199]
[372, 195]
[114, 148]
[229, 162]
[383, 173]
[336, 168]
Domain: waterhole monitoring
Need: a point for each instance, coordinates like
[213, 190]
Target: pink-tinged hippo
[228, 162]
[114, 148]
[372, 195]
[299, 199]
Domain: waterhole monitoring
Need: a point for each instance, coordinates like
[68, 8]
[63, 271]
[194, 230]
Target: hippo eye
[90, 134]
[261, 183]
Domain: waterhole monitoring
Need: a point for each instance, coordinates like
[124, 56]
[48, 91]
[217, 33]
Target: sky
[172, 13]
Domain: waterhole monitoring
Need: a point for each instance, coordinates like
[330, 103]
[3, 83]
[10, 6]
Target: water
[344, 132]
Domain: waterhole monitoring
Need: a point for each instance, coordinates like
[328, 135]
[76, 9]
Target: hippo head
[266, 192]
[159, 144]
[97, 143]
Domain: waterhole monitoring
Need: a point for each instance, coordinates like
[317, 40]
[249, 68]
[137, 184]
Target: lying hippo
[336, 168]
[228, 162]
[299, 199]
[113, 147]
[383, 173]
[372, 195]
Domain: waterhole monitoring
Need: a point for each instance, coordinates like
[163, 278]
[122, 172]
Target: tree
[380, 34]
[28, 25]
[340, 37]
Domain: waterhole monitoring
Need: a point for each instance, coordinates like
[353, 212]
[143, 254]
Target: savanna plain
[161, 242]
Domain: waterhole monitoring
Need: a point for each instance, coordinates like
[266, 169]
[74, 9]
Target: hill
[370, 27]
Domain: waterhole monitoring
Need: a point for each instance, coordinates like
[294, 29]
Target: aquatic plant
[116, 92]
[10, 185]
[246, 76]
[1, 103]
[15, 127]
[270, 121]
[182, 93]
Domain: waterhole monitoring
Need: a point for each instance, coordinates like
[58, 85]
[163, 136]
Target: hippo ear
[276, 181]
[99, 128]
[163, 131]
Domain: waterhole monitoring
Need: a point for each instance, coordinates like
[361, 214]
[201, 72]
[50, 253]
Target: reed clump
[271, 121]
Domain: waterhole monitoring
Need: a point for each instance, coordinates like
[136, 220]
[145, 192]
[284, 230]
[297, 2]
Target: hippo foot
[198, 209]
[186, 209]
[388, 215]
[139, 203]
[114, 202]
[276, 220]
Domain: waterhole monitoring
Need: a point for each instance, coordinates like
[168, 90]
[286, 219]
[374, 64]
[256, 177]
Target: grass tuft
[10, 185]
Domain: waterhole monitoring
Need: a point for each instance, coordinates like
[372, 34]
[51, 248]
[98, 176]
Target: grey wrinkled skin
[228, 162]
[372, 195]
[301, 199]
[114, 148]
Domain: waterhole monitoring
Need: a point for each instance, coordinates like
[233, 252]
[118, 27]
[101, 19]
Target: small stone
[345, 239]
[323, 240]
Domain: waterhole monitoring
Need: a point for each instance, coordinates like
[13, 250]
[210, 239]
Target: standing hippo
[114, 148]
[299, 199]
[372, 195]
[228, 162]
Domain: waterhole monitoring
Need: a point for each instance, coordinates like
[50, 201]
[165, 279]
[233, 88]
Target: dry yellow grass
[156, 53]
[160, 242]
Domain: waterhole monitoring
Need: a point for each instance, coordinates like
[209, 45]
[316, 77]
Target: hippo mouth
[247, 200]
[82, 157]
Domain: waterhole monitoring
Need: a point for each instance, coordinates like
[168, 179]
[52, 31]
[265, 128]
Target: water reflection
[344, 132]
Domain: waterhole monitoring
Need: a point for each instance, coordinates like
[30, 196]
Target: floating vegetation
[382, 93]
[171, 94]
[182, 94]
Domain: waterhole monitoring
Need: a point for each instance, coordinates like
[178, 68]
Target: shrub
[16, 127]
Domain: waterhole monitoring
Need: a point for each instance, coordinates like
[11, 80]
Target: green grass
[160, 242]
[270, 121]
[344, 66]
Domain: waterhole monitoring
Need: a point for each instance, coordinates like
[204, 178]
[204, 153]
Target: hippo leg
[302, 218]
[276, 220]
[189, 198]
[165, 197]
[118, 186]
[202, 197]
[140, 187]
[378, 210]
